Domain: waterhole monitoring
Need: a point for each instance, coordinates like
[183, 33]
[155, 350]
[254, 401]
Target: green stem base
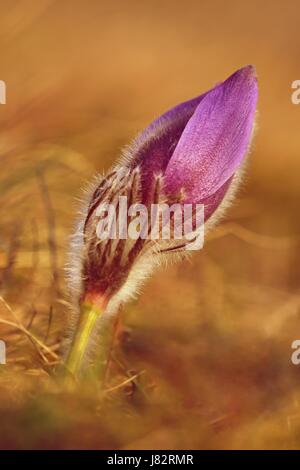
[88, 317]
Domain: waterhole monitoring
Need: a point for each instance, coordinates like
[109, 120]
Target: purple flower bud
[192, 154]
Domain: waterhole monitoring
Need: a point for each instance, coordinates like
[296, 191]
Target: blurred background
[203, 358]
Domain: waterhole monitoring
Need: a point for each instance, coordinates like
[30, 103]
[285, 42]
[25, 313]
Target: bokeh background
[203, 358]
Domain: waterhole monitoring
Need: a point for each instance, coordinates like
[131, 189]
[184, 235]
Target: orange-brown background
[213, 336]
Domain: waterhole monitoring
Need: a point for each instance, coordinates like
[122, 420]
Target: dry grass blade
[125, 382]
[18, 325]
[51, 227]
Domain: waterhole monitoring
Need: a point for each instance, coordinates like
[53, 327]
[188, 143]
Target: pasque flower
[193, 153]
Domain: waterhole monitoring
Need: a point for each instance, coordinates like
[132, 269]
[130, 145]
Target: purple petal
[215, 140]
[154, 146]
[212, 202]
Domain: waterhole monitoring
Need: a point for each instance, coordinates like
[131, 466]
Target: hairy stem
[88, 316]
